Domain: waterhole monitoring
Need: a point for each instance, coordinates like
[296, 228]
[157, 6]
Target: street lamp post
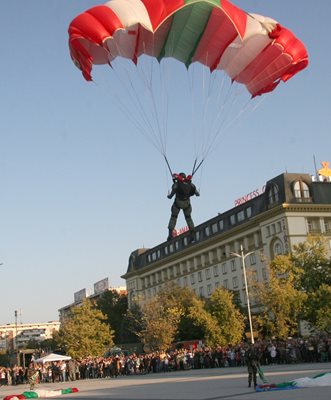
[243, 258]
[16, 343]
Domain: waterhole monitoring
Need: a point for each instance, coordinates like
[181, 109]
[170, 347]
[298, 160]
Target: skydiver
[183, 188]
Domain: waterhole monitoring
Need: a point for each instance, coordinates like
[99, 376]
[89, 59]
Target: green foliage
[182, 298]
[318, 311]
[85, 332]
[114, 306]
[311, 257]
[160, 323]
[282, 302]
[219, 318]
[131, 326]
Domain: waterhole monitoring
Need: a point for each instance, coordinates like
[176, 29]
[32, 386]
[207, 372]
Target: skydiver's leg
[187, 213]
[250, 375]
[173, 219]
[255, 376]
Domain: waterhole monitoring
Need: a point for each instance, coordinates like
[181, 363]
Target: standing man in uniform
[252, 356]
[183, 188]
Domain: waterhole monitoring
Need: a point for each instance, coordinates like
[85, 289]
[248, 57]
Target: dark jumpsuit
[183, 191]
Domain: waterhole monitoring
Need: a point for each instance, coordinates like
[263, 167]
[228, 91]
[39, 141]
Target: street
[204, 384]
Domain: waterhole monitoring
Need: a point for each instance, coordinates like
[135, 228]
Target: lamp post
[16, 343]
[243, 258]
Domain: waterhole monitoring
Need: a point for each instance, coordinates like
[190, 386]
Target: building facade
[17, 336]
[291, 207]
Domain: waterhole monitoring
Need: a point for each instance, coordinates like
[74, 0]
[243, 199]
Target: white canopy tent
[52, 357]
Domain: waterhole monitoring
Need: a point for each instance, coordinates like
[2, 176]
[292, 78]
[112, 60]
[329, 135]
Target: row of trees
[298, 288]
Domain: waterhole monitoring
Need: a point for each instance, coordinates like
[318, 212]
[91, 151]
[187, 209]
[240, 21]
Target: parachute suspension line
[141, 127]
[153, 116]
[168, 165]
[164, 103]
[193, 111]
[155, 108]
[192, 78]
[195, 169]
[206, 125]
[195, 163]
[128, 82]
[218, 125]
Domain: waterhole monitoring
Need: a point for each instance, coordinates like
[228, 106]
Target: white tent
[52, 357]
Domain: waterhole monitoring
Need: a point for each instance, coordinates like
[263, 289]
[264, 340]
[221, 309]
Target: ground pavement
[205, 384]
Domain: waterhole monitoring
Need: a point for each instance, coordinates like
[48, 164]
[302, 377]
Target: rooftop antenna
[316, 172]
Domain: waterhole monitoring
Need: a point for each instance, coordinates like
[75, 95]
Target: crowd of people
[315, 349]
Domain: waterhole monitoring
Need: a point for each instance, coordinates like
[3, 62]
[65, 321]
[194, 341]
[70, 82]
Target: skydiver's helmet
[182, 175]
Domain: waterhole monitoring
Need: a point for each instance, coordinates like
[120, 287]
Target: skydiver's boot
[170, 235]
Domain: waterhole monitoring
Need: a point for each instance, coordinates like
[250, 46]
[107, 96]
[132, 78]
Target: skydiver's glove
[197, 193]
[169, 196]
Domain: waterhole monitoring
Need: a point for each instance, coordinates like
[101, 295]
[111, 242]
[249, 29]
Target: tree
[318, 311]
[219, 318]
[131, 326]
[114, 306]
[182, 298]
[84, 333]
[311, 257]
[159, 324]
[282, 301]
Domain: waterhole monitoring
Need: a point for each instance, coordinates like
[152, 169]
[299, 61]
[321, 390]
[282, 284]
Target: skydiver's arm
[173, 191]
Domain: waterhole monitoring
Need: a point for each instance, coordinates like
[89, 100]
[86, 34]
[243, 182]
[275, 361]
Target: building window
[241, 215]
[235, 282]
[214, 228]
[192, 279]
[224, 268]
[209, 290]
[313, 225]
[221, 224]
[185, 281]
[207, 230]
[327, 225]
[207, 272]
[232, 219]
[201, 291]
[233, 265]
[252, 259]
[217, 284]
[264, 274]
[226, 283]
[215, 269]
[249, 212]
[200, 276]
[301, 191]
[273, 194]
[278, 248]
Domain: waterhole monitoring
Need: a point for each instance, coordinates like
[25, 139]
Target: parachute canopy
[253, 50]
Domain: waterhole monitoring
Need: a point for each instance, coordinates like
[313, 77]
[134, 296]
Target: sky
[81, 187]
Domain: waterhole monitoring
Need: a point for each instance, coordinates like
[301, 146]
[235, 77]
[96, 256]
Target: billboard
[101, 286]
[80, 296]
